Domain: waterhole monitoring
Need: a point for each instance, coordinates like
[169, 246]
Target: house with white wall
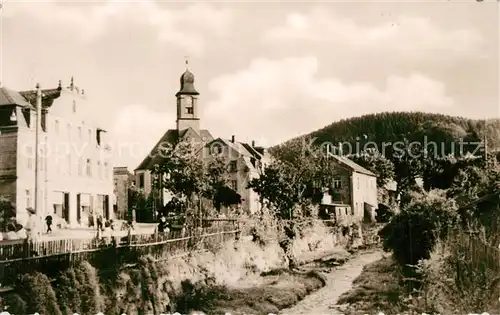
[74, 179]
[353, 195]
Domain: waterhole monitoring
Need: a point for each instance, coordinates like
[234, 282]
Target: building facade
[71, 176]
[123, 180]
[246, 162]
[353, 195]
[241, 156]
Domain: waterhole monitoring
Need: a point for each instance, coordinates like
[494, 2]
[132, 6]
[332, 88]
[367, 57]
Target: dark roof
[172, 136]
[121, 170]
[352, 165]
[242, 148]
[187, 84]
[48, 96]
[9, 97]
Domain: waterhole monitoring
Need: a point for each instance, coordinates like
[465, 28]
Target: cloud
[403, 33]
[185, 27]
[135, 131]
[284, 98]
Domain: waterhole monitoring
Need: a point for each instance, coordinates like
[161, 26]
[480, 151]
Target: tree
[440, 172]
[188, 177]
[376, 163]
[7, 212]
[412, 234]
[142, 204]
[297, 175]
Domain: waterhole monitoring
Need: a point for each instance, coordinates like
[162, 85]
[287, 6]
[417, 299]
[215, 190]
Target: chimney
[253, 143]
[232, 138]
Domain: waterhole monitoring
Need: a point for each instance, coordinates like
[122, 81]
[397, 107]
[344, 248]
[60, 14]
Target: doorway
[79, 208]
[66, 207]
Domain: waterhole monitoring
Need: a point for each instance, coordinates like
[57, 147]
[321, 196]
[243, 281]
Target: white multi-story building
[75, 175]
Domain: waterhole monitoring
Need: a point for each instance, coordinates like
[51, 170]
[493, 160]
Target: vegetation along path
[339, 280]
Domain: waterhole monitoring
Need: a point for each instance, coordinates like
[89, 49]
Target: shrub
[67, 292]
[412, 234]
[451, 283]
[37, 291]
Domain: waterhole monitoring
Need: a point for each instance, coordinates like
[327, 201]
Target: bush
[452, 284]
[412, 234]
[37, 291]
[384, 213]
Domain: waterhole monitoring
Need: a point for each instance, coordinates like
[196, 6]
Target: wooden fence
[52, 256]
[478, 251]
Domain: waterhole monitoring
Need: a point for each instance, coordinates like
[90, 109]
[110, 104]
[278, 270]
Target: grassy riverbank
[376, 289]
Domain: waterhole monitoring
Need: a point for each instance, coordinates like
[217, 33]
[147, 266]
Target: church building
[245, 161]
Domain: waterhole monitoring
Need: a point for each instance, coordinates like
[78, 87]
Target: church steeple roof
[187, 83]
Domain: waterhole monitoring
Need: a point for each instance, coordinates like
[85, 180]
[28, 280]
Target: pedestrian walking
[100, 222]
[48, 221]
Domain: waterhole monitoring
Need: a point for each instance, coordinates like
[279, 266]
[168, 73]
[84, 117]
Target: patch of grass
[377, 288]
[280, 290]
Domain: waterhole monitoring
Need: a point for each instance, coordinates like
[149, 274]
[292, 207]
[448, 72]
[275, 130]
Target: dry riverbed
[313, 289]
[338, 281]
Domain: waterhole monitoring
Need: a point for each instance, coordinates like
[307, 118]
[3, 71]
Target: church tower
[187, 104]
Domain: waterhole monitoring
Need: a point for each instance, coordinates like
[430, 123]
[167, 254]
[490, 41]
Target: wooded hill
[414, 126]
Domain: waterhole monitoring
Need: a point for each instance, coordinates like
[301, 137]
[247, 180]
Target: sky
[266, 71]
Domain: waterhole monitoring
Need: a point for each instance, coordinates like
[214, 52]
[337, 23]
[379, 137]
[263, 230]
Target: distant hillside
[414, 126]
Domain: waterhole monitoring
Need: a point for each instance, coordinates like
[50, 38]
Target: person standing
[163, 225]
[48, 220]
[11, 233]
[21, 232]
[32, 226]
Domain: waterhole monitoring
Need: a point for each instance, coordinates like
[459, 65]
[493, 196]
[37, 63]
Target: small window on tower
[189, 110]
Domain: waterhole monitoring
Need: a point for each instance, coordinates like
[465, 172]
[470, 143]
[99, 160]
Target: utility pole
[485, 142]
[37, 142]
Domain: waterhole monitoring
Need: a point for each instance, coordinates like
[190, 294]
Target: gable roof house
[353, 195]
[246, 161]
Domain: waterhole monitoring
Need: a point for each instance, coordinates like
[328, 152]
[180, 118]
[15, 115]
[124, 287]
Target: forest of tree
[414, 126]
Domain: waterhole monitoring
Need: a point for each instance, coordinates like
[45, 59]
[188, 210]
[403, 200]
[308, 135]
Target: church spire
[187, 102]
[187, 82]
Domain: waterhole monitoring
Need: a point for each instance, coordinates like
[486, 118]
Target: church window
[189, 110]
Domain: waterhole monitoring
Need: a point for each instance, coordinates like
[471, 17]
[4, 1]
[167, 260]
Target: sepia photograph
[238, 157]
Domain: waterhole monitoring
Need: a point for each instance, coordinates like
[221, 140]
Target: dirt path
[339, 280]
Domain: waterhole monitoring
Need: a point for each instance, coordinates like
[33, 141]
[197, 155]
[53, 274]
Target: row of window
[84, 167]
[80, 132]
[233, 183]
[368, 184]
[337, 183]
[31, 160]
